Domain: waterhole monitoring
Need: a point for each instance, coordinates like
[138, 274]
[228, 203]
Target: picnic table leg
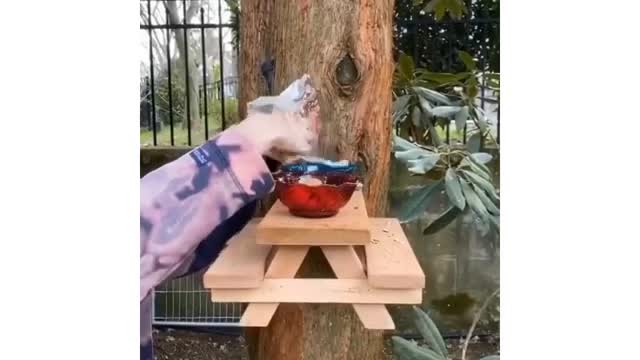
[285, 263]
[314, 331]
[346, 264]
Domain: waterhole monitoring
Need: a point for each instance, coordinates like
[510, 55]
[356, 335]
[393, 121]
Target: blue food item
[317, 165]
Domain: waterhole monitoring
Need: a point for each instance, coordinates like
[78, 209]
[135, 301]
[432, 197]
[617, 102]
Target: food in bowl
[316, 189]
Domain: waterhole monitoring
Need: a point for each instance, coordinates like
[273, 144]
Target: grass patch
[198, 136]
[180, 136]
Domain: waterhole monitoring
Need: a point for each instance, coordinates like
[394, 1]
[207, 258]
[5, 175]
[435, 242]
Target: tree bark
[346, 47]
[255, 37]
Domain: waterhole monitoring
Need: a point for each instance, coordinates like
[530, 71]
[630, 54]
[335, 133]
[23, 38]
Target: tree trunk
[255, 48]
[346, 47]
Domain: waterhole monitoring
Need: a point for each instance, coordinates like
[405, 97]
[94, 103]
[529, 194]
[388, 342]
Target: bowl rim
[277, 176]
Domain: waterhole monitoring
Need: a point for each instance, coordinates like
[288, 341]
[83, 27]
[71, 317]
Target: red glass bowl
[315, 201]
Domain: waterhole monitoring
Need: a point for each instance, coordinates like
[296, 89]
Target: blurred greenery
[431, 34]
[181, 136]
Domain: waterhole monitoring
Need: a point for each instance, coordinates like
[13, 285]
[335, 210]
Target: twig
[475, 322]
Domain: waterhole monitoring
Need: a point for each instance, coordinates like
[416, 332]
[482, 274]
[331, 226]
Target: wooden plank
[349, 227]
[346, 263]
[241, 263]
[318, 291]
[362, 256]
[285, 263]
[391, 262]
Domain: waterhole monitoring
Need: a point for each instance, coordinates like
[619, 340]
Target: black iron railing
[167, 93]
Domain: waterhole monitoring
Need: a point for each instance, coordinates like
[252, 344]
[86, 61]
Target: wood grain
[391, 262]
[318, 291]
[285, 263]
[256, 48]
[241, 264]
[345, 263]
[349, 227]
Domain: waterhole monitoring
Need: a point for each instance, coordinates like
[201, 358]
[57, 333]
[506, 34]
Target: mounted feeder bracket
[371, 258]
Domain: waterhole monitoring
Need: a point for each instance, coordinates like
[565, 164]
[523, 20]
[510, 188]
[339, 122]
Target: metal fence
[167, 88]
[180, 75]
[184, 302]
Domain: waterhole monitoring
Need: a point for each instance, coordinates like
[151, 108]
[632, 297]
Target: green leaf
[456, 8]
[424, 164]
[467, 59]
[429, 332]
[473, 200]
[426, 107]
[471, 91]
[491, 357]
[441, 222]
[471, 87]
[400, 107]
[400, 104]
[479, 169]
[473, 144]
[495, 221]
[407, 350]
[400, 144]
[416, 205]
[442, 78]
[415, 116]
[463, 75]
[481, 119]
[417, 2]
[431, 5]
[412, 154]
[483, 184]
[481, 157]
[399, 118]
[454, 191]
[461, 118]
[406, 66]
[440, 9]
[445, 111]
[488, 203]
[432, 95]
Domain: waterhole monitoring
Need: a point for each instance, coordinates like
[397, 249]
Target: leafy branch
[455, 8]
[464, 175]
[425, 100]
[435, 348]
